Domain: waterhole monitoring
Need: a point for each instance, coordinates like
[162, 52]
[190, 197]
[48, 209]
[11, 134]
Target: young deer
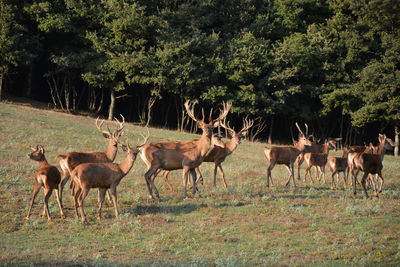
[337, 165]
[286, 155]
[318, 160]
[218, 154]
[186, 155]
[369, 164]
[47, 177]
[103, 176]
[69, 161]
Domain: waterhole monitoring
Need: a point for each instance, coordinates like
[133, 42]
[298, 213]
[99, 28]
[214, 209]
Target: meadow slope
[244, 225]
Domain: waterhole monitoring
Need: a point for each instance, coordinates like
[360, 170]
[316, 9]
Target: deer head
[237, 137]
[207, 127]
[108, 134]
[37, 153]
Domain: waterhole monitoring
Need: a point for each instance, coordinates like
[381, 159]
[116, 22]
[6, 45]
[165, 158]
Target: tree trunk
[112, 105]
[396, 139]
[270, 130]
[1, 83]
[28, 91]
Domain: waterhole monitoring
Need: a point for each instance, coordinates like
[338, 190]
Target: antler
[226, 126]
[146, 138]
[120, 127]
[222, 116]
[247, 124]
[99, 127]
[190, 110]
[298, 127]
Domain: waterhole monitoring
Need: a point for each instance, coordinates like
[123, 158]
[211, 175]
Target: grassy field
[244, 225]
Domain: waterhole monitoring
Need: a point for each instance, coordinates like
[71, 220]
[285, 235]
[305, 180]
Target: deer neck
[300, 147]
[326, 149]
[231, 145]
[111, 151]
[126, 165]
[43, 163]
[204, 144]
[381, 150]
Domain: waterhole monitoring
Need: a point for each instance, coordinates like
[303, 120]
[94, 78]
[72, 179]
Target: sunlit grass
[244, 225]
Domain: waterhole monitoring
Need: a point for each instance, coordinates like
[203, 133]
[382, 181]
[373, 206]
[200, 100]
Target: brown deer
[186, 155]
[369, 164]
[69, 161]
[313, 148]
[337, 165]
[358, 149]
[218, 154]
[47, 177]
[318, 160]
[286, 155]
[104, 176]
[215, 142]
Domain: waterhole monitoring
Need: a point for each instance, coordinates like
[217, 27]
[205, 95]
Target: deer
[48, 177]
[358, 149]
[337, 165]
[70, 160]
[319, 160]
[105, 175]
[369, 164]
[286, 155]
[218, 154]
[186, 155]
[313, 148]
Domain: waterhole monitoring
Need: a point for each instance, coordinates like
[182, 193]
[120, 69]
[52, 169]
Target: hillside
[246, 224]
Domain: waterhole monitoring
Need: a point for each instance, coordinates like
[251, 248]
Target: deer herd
[88, 170]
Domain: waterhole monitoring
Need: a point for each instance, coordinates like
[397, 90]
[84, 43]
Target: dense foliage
[331, 63]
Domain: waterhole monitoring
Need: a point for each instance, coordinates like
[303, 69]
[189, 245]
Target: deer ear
[106, 135]
[244, 133]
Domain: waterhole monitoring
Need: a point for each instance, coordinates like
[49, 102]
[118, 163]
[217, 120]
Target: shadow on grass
[184, 208]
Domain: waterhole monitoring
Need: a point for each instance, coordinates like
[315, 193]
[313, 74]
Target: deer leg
[59, 203]
[299, 161]
[165, 176]
[36, 190]
[221, 172]
[47, 194]
[102, 195]
[113, 190]
[215, 174]
[322, 169]
[193, 174]
[291, 175]
[269, 169]
[363, 181]
[76, 196]
[200, 176]
[381, 183]
[61, 185]
[333, 186]
[82, 196]
[185, 181]
[354, 176]
[148, 177]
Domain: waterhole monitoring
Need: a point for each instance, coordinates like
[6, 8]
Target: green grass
[244, 225]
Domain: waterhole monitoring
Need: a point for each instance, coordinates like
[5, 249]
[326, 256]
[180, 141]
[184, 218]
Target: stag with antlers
[286, 155]
[218, 154]
[186, 155]
[69, 161]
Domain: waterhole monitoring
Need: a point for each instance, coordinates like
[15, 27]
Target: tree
[10, 37]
